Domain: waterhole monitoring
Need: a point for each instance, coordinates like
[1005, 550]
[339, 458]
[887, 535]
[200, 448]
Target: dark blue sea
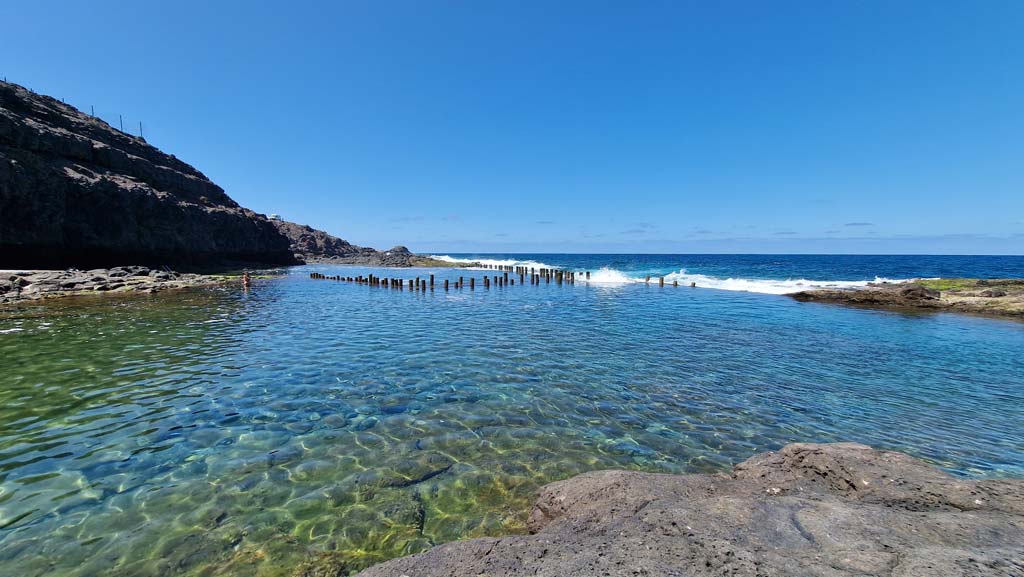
[768, 273]
[219, 431]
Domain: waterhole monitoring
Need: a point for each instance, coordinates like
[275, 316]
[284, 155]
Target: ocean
[219, 431]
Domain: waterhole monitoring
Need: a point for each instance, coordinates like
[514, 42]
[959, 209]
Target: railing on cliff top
[118, 122]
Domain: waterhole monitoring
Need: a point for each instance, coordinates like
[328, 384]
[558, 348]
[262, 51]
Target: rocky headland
[808, 509]
[76, 193]
[316, 246]
[998, 297]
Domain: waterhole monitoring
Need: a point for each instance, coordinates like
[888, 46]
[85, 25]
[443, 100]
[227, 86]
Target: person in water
[246, 280]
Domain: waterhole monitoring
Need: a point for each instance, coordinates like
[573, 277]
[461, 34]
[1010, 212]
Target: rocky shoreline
[34, 285]
[997, 297]
[18, 286]
[808, 509]
[76, 192]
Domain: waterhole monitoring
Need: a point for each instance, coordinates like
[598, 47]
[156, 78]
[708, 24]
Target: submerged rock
[808, 509]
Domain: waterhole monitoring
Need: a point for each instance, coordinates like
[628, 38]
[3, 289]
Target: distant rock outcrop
[316, 246]
[76, 192]
[823, 510]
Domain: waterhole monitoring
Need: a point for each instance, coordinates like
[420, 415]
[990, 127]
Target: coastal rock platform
[808, 509]
[43, 284]
[999, 297]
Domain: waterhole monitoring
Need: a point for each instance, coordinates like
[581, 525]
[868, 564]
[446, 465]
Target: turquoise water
[219, 432]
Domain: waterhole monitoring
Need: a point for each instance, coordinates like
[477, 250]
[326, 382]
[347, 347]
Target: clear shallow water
[217, 432]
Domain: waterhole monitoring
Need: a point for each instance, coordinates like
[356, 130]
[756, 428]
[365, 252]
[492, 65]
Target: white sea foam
[766, 286]
[608, 275]
[611, 276]
[491, 261]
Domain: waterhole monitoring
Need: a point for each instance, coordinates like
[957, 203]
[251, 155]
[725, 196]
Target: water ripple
[216, 432]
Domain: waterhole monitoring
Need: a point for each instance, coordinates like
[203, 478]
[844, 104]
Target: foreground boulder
[817, 510]
[74, 191]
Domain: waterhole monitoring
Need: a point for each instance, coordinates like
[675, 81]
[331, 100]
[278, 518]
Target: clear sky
[814, 126]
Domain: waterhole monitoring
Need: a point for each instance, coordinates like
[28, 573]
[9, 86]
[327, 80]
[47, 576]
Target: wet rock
[916, 291]
[335, 421]
[829, 510]
[366, 423]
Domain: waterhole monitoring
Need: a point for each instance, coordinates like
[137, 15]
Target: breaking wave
[765, 286]
[611, 276]
[491, 261]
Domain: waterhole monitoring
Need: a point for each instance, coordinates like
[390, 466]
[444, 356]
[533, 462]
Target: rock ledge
[996, 297]
[825, 510]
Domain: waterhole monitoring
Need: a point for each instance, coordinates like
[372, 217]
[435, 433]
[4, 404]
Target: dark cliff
[76, 192]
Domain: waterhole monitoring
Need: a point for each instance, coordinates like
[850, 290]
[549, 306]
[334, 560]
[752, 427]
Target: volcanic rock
[810, 510]
[74, 191]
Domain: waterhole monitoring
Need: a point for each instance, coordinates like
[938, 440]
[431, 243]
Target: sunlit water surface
[217, 432]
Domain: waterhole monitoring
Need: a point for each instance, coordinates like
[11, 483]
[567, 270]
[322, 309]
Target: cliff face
[76, 192]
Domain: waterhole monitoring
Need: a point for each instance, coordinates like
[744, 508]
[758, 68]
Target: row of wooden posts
[536, 276]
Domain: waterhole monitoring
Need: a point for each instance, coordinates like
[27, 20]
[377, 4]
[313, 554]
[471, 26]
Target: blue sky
[879, 127]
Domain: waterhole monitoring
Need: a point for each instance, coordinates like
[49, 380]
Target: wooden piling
[661, 281]
[445, 285]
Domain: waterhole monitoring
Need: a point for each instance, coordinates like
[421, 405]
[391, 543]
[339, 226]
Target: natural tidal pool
[217, 432]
